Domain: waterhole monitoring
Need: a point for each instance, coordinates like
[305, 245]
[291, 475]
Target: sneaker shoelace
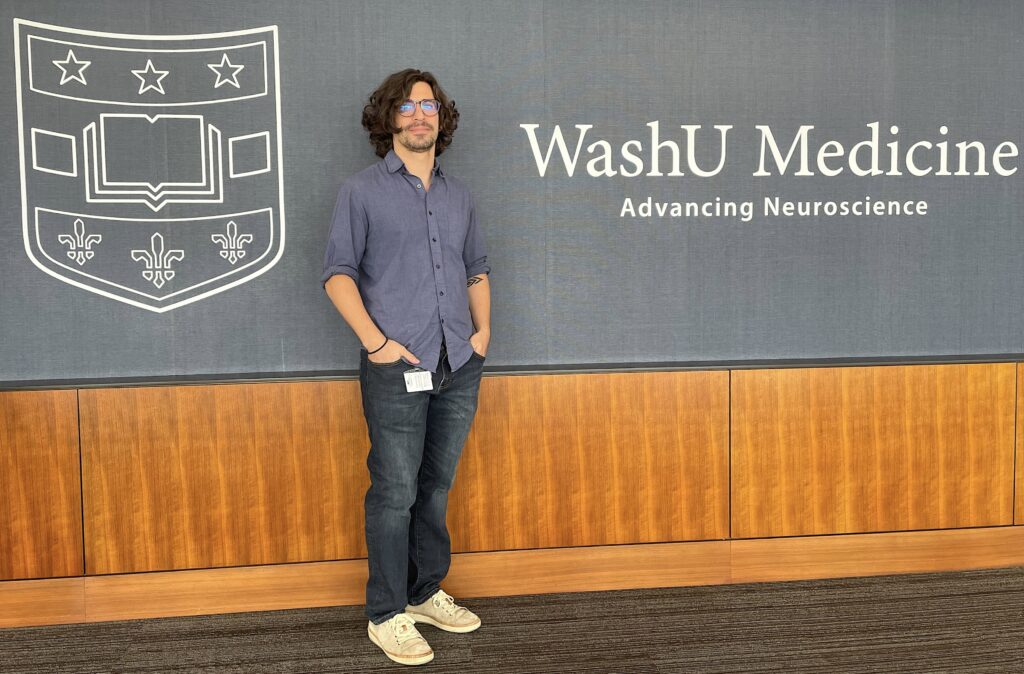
[446, 603]
[403, 628]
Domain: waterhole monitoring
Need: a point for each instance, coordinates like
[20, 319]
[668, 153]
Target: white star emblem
[148, 79]
[227, 73]
[72, 69]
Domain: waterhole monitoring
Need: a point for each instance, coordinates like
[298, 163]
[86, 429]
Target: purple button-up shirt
[410, 251]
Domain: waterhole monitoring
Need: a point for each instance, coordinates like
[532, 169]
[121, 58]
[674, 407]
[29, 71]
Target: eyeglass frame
[420, 103]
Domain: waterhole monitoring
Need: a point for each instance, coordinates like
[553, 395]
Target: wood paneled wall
[249, 474]
[40, 489]
[594, 459]
[858, 449]
[206, 476]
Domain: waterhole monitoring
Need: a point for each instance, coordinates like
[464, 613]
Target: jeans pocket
[392, 364]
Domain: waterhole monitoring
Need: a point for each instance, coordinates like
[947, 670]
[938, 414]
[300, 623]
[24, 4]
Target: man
[405, 266]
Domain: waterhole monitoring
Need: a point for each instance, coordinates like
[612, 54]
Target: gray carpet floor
[970, 622]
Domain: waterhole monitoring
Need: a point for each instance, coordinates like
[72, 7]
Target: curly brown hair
[393, 91]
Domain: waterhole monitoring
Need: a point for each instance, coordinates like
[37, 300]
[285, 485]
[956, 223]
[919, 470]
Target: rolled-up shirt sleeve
[347, 240]
[473, 254]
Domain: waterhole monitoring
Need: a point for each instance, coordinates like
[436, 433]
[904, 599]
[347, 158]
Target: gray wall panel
[572, 281]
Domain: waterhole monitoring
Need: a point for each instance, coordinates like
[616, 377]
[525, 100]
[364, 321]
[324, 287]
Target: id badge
[418, 379]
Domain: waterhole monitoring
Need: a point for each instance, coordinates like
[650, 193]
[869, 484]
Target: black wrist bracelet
[386, 340]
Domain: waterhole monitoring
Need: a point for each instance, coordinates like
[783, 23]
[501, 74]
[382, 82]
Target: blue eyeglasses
[429, 106]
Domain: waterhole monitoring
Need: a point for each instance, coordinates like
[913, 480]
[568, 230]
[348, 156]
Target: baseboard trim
[488, 574]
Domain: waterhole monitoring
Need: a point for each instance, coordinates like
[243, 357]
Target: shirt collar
[394, 162]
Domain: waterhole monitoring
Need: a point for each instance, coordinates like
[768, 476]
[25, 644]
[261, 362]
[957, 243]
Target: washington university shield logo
[150, 164]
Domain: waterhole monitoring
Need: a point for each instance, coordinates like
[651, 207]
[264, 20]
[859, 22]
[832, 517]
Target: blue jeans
[416, 440]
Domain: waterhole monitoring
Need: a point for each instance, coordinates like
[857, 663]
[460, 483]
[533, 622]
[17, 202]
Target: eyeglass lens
[429, 106]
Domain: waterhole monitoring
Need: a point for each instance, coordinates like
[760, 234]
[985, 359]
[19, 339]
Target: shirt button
[437, 266]
[430, 212]
[419, 187]
[442, 292]
[433, 238]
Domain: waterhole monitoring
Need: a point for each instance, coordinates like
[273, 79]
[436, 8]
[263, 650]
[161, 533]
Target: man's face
[418, 132]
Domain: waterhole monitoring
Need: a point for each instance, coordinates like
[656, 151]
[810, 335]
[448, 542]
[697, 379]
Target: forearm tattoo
[473, 280]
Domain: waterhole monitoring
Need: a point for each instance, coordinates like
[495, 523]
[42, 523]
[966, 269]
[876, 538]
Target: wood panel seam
[81, 473]
[1013, 460]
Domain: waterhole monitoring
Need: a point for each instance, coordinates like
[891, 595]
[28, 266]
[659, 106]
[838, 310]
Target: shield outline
[280, 229]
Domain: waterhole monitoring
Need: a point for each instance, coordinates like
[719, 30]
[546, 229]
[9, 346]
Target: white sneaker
[440, 610]
[400, 640]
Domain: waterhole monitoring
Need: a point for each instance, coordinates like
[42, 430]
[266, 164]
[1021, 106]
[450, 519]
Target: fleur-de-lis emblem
[232, 242]
[158, 261]
[80, 244]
